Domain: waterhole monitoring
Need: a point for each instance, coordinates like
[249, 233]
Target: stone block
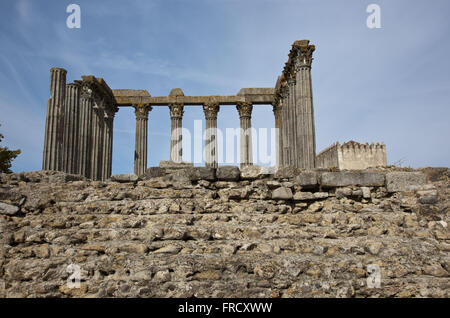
[435, 173]
[307, 179]
[124, 178]
[303, 196]
[357, 178]
[153, 172]
[287, 172]
[8, 209]
[201, 173]
[228, 173]
[256, 172]
[282, 193]
[404, 181]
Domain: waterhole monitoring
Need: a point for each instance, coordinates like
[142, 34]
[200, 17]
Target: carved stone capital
[284, 90]
[211, 109]
[244, 109]
[176, 110]
[86, 91]
[141, 110]
[303, 52]
[277, 107]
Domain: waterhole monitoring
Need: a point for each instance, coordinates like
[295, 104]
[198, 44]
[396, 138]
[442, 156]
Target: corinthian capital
[211, 109]
[244, 109]
[86, 91]
[141, 110]
[303, 52]
[277, 106]
[176, 110]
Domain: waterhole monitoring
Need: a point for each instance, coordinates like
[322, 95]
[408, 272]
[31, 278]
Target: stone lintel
[127, 97]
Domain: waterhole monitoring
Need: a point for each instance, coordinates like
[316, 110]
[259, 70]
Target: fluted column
[292, 119]
[277, 108]
[111, 140]
[176, 115]
[54, 123]
[96, 141]
[140, 153]
[305, 132]
[285, 132]
[85, 124]
[106, 160]
[71, 128]
[245, 115]
[211, 109]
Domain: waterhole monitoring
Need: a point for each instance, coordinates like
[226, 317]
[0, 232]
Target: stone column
[305, 131]
[111, 140]
[106, 159]
[285, 132]
[176, 115]
[54, 123]
[140, 153]
[85, 124]
[245, 115]
[292, 119]
[277, 108]
[96, 141]
[211, 109]
[71, 128]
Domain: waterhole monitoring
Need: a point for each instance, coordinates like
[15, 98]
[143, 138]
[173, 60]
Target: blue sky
[389, 84]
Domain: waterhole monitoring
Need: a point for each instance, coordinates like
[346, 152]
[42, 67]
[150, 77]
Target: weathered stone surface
[404, 181]
[256, 172]
[307, 179]
[8, 209]
[220, 239]
[346, 178]
[286, 172]
[228, 173]
[434, 174]
[282, 193]
[153, 172]
[130, 177]
[303, 196]
[201, 173]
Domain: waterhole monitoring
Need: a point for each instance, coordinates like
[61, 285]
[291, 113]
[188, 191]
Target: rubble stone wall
[202, 232]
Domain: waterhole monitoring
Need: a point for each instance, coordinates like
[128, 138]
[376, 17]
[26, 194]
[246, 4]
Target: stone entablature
[352, 156]
[256, 96]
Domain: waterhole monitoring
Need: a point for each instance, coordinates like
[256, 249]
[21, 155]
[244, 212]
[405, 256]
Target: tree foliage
[6, 157]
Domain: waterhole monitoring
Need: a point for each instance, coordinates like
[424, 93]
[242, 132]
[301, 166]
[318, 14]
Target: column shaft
[71, 128]
[245, 113]
[54, 124]
[211, 157]
[86, 111]
[305, 133]
[176, 115]
[140, 153]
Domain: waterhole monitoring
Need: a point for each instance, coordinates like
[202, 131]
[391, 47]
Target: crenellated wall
[352, 155]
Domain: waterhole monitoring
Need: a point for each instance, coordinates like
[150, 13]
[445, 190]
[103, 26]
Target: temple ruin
[80, 118]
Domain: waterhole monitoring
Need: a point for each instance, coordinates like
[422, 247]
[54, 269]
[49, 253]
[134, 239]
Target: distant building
[352, 155]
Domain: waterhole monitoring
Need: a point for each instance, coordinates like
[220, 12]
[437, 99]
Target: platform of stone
[282, 235]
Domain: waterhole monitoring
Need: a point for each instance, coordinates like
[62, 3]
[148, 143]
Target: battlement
[352, 155]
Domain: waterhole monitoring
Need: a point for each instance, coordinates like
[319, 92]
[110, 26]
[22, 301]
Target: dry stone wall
[202, 232]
